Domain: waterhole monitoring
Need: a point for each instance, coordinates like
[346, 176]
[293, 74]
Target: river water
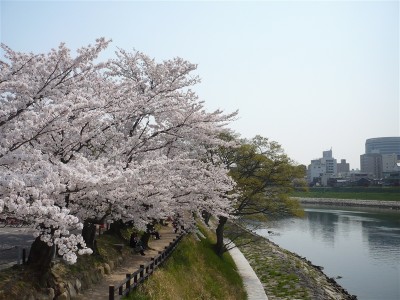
[359, 247]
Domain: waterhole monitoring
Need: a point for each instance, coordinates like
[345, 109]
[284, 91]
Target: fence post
[141, 272]
[152, 264]
[128, 283]
[111, 292]
[170, 247]
[159, 259]
[23, 256]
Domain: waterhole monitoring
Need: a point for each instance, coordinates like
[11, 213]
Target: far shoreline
[351, 202]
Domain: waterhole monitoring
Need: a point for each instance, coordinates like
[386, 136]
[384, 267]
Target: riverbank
[351, 202]
[353, 193]
[286, 275]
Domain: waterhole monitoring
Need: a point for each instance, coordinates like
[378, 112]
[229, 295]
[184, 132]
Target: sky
[311, 75]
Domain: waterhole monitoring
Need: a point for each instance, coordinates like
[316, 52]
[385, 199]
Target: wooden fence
[144, 271]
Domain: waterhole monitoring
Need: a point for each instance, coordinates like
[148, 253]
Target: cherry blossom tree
[122, 140]
[38, 93]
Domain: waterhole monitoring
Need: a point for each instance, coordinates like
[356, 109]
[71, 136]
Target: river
[359, 247]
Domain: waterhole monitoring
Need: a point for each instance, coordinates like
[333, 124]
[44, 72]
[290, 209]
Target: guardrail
[134, 279]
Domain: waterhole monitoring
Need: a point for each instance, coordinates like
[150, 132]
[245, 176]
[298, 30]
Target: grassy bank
[194, 271]
[367, 193]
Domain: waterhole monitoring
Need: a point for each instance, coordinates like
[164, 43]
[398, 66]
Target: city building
[343, 167]
[382, 156]
[390, 162]
[330, 162]
[371, 164]
[320, 170]
[383, 145]
[315, 171]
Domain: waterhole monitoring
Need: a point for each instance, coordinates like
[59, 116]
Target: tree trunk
[40, 255]
[220, 235]
[116, 227]
[89, 236]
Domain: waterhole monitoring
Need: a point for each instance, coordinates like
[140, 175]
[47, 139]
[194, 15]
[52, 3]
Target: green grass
[368, 193]
[194, 271]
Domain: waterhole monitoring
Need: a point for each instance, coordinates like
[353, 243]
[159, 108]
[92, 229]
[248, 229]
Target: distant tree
[264, 177]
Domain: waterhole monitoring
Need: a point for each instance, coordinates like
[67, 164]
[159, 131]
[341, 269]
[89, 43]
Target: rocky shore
[285, 275]
[351, 202]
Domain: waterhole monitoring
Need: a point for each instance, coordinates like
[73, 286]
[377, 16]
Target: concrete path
[99, 291]
[253, 286]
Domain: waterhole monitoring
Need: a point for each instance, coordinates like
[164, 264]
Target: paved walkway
[99, 291]
[253, 286]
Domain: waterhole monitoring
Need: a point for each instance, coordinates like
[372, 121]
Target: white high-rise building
[315, 170]
[324, 167]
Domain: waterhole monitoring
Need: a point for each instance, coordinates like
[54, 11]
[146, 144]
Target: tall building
[383, 145]
[327, 154]
[331, 165]
[371, 163]
[382, 155]
[320, 170]
[343, 167]
[315, 171]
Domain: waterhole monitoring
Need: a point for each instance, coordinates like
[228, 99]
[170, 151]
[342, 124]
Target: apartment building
[343, 167]
[320, 170]
[371, 164]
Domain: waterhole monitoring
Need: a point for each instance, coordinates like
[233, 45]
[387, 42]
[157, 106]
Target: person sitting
[156, 234]
[136, 244]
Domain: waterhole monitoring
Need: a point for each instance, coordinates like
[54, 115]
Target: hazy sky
[310, 75]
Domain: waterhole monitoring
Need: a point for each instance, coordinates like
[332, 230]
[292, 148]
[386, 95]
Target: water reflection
[383, 236]
[362, 245]
[324, 225]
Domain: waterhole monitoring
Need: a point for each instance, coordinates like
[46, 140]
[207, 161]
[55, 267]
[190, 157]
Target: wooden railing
[144, 271]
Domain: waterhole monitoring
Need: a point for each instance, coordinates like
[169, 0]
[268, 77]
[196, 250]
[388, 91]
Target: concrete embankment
[351, 202]
[252, 284]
